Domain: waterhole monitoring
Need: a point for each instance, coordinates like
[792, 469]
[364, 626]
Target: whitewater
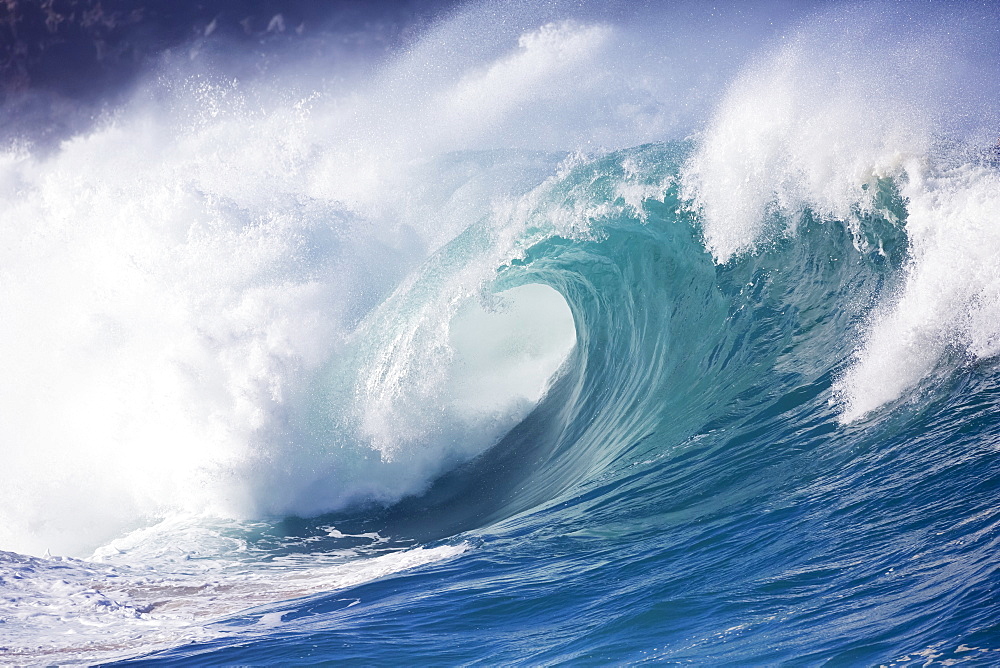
[559, 333]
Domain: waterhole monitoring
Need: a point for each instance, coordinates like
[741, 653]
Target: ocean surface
[551, 333]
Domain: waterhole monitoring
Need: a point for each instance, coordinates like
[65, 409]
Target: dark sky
[58, 57]
[64, 61]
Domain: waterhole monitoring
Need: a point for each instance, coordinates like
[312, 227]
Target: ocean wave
[551, 291]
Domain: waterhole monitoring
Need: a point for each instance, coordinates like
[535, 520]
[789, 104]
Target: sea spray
[819, 128]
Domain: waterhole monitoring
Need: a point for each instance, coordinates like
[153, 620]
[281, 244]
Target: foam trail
[63, 610]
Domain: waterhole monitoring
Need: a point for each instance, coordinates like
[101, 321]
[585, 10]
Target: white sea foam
[850, 98]
[812, 125]
[172, 321]
[951, 297]
[57, 610]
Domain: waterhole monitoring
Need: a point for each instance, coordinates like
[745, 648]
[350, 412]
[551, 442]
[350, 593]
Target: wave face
[564, 335]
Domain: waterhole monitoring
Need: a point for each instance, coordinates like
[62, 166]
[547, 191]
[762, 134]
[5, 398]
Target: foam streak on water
[59, 610]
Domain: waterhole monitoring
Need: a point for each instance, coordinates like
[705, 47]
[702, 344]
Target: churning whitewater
[583, 332]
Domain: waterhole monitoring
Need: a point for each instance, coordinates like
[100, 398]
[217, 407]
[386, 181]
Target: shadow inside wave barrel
[489, 488]
[493, 486]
